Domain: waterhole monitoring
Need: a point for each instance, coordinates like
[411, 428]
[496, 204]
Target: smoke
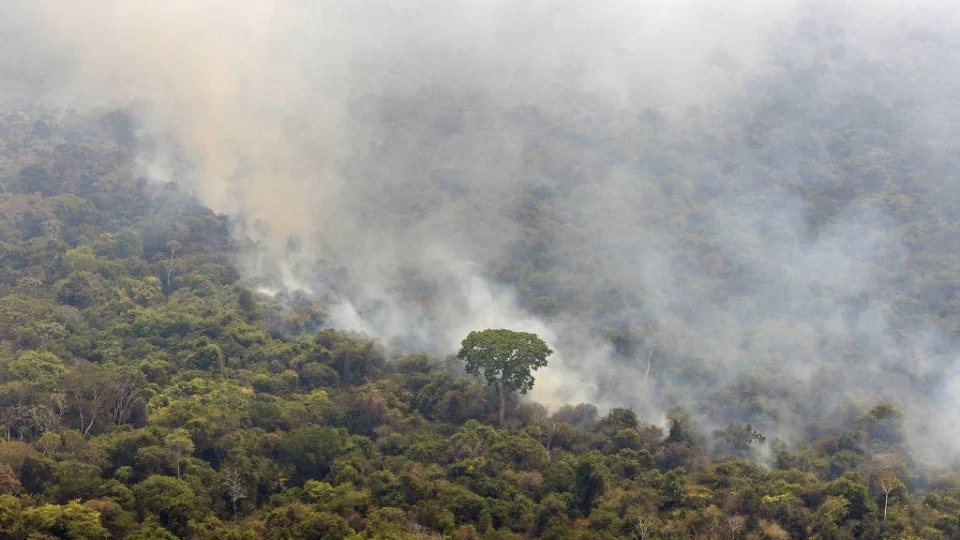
[434, 167]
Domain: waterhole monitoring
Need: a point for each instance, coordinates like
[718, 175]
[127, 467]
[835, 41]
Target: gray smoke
[397, 158]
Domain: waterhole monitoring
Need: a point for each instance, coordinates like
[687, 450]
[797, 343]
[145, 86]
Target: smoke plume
[568, 168]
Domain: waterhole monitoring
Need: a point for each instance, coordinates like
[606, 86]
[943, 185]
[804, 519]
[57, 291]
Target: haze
[569, 168]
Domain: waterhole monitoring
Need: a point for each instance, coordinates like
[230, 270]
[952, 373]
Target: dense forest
[751, 297]
[148, 392]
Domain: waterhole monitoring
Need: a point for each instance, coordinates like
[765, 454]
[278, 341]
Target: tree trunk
[234, 507]
[649, 361]
[886, 497]
[503, 402]
[92, 421]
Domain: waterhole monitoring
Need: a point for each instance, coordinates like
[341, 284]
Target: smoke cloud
[567, 168]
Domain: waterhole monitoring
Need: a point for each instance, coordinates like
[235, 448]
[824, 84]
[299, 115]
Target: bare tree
[45, 417]
[547, 431]
[126, 393]
[887, 481]
[656, 338]
[15, 417]
[169, 262]
[170, 267]
[236, 487]
[735, 524]
[87, 389]
[641, 526]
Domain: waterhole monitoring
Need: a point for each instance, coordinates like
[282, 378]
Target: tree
[589, 481]
[172, 501]
[81, 289]
[656, 338]
[883, 423]
[72, 520]
[87, 387]
[640, 526]
[126, 393]
[887, 481]
[43, 369]
[505, 358]
[681, 428]
[853, 488]
[9, 483]
[236, 487]
[311, 450]
[823, 523]
[735, 441]
[178, 444]
[209, 357]
[169, 262]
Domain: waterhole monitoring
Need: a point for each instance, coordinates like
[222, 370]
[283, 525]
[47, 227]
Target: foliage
[146, 396]
[505, 359]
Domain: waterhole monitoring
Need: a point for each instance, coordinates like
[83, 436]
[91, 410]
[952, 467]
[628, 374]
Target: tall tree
[87, 388]
[887, 481]
[178, 444]
[236, 487]
[505, 358]
[169, 262]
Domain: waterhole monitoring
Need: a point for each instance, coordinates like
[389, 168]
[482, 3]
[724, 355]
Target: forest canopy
[146, 389]
[236, 269]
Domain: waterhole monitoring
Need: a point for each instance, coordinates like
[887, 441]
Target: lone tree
[888, 481]
[505, 358]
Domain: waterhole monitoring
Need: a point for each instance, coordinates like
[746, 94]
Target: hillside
[146, 388]
[240, 245]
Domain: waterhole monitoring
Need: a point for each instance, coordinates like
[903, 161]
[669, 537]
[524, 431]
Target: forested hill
[146, 392]
[229, 302]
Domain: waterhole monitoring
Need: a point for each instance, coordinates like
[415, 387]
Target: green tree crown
[504, 357]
